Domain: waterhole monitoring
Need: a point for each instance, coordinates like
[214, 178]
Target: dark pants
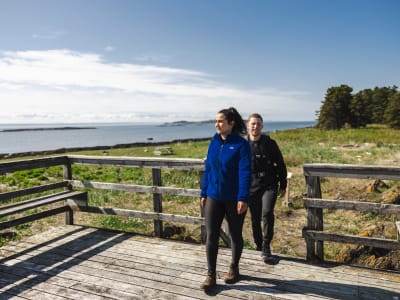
[261, 205]
[214, 213]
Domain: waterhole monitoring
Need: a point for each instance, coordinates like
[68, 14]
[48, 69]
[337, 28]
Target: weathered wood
[379, 208]
[136, 188]
[12, 166]
[40, 201]
[315, 249]
[34, 217]
[313, 232]
[352, 239]
[67, 170]
[157, 202]
[140, 214]
[76, 262]
[352, 171]
[144, 162]
[33, 190]
[287, 201]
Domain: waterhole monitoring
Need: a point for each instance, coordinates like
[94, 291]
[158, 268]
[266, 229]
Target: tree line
[340, 108]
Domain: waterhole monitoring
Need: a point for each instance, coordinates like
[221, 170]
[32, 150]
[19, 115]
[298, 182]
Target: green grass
[369, 146]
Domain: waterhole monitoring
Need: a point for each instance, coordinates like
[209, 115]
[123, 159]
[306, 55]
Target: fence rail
[156, 164]
[314, 231]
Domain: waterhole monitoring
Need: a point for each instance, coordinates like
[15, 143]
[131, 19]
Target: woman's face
[222, 125]
[254, 126]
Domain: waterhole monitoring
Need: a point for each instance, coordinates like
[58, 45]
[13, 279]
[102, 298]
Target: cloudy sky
[158, 60]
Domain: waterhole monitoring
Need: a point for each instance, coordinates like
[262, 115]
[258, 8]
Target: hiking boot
[209, 282]
[259, 247]
[233, 275]
[266, 253]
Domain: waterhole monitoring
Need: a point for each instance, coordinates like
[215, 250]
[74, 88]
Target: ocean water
[109, 134]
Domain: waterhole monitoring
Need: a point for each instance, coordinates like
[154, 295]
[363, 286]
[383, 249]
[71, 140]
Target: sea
[19, 138]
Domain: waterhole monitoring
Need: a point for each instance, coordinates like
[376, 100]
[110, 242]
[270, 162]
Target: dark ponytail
[231, 114]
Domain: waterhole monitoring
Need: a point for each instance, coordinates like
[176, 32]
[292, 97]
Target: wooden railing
[314, 231]
[156, 164]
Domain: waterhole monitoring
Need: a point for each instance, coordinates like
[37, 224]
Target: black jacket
[268, 165]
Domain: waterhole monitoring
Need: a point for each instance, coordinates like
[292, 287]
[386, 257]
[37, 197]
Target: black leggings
[215, 211]
[262, 205]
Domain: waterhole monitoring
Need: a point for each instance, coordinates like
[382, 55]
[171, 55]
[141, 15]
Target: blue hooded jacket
[227, 174]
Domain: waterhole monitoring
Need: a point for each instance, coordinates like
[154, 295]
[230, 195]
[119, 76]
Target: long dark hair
[231, 114]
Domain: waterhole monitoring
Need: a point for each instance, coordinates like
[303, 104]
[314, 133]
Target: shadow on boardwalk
[73, 262]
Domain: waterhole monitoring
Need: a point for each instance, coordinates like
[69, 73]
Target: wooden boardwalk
[74, 262]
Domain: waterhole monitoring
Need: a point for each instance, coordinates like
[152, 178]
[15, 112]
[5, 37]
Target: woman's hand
[203, 201]
[241, 207]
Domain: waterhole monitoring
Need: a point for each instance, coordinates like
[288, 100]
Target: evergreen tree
[335, 113]
[360, 112]
[379, 102]
[392, 112]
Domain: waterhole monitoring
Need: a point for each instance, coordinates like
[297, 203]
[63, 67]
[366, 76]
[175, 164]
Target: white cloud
[68, 86]
[109, 48]
[51, 35]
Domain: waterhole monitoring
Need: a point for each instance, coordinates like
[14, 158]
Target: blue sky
[168, 60]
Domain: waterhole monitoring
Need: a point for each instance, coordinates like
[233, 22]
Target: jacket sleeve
[204, 182]
[280, 165]
[244, 172]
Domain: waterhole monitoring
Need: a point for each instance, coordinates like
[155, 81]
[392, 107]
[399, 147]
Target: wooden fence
[75, 200]
[314, 231]
[68, 182]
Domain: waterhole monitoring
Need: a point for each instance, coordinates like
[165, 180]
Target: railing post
[286, 202]
[157, 202]
[67, 175]
[315, 249]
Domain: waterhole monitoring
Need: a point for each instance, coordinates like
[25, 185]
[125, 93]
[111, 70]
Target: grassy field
[374, 145]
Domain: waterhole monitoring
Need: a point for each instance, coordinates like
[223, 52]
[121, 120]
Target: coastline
[46, 128]
[108, 136]
[90, 148]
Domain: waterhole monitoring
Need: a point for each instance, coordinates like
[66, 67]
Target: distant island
[46, 128]
[184, 123]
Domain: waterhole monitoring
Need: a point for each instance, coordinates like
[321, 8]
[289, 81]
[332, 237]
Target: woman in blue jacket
[225, 189]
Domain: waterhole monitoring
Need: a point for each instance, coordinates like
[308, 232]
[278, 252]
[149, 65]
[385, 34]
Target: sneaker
[232, 276]
[209, 282]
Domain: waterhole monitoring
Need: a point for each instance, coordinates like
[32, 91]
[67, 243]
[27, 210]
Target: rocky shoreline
[46, 128]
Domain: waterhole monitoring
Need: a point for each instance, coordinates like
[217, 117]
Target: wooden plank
[40, 201]
[379, 208]
[34, 217]
[12, 166]
[352, 239]
[118, 273]
[352, 171]
[158, 268]
[122, 259]
[50, 290]
[33, 190]
[136, 188]
[144, 162]
[27, 292]
[140, 214]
